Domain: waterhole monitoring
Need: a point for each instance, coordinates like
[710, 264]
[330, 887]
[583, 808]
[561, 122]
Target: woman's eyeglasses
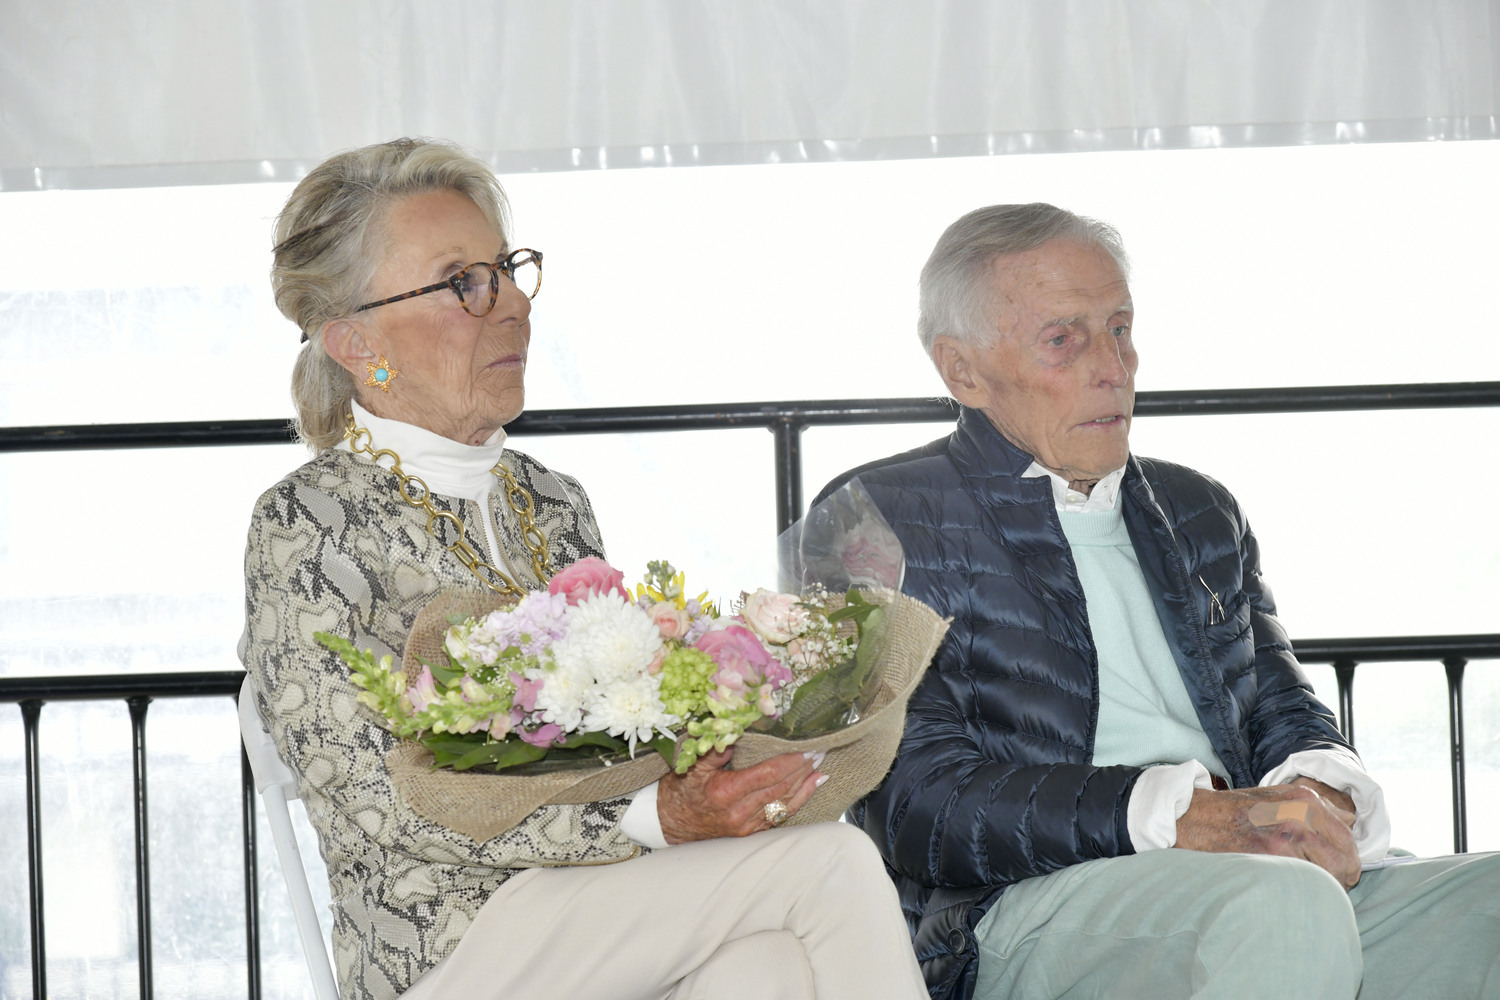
[478, 285]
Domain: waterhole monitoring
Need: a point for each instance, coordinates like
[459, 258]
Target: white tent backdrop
[135, 236]
[96, 94]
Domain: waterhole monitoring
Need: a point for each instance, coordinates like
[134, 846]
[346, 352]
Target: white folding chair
[277, 786]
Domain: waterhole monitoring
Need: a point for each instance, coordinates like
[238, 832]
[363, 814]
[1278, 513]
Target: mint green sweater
[1145, 716]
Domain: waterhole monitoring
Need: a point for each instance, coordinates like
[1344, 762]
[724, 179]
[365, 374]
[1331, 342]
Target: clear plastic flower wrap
[843, 558]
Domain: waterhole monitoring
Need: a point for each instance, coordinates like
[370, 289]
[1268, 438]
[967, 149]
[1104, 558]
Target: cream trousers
[802, 912]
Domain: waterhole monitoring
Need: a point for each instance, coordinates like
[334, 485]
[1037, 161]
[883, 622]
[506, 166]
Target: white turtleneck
[449, 468]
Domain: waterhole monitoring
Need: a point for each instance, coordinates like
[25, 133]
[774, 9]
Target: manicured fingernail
[810, 755]
[818, 758]
[819, 783]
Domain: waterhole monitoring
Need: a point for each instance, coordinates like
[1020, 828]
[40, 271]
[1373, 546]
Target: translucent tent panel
[238, 90]
[1253, 267]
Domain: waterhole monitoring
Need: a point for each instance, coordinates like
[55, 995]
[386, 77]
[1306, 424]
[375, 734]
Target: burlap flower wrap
[484, 805]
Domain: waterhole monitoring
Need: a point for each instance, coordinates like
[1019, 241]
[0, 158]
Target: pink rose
[742, 660]
[877, 560]
[774, 617]
[669, 619]
[586, 577]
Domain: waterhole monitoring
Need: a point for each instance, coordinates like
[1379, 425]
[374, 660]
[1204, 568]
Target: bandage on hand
[1276, 813]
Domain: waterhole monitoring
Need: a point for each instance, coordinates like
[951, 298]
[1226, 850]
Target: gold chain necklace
[416, 493]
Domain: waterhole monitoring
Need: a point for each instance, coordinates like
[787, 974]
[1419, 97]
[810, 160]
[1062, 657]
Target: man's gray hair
[329, 241]
[957, 288]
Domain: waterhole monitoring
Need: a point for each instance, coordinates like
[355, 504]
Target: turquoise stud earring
[381, 374]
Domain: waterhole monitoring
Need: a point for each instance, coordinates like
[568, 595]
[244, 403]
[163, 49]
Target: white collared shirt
[1101, 497]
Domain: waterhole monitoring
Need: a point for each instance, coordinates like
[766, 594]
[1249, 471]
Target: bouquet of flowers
[588, 669]
[589, 691]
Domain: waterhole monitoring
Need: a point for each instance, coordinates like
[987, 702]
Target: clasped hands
[712, 801]
[1305, 819]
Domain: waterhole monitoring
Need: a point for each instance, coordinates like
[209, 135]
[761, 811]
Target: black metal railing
[786, 421]
[1453, 651]
[137, 691]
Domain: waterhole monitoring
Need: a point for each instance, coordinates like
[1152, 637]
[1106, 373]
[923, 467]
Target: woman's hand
[713, 801]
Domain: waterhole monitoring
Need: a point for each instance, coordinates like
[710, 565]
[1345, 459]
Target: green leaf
[445, 676]
[856, 606]
[604, 740]
[664, 746]
[822, 704]
[447, 748]
[506, 753]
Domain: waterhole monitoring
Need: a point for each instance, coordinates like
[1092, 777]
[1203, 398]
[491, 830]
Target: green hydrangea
[686, 681]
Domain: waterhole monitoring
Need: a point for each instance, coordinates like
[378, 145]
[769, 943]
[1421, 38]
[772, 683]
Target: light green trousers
[1174, 923]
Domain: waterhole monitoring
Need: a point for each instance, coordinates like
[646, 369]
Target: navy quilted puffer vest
[994, 782]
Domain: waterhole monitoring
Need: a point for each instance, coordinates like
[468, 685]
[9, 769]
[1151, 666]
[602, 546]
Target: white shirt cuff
[1161, 795]
[641, 823]
[1342, 770]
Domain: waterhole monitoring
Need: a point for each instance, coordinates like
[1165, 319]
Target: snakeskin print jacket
[334, 548]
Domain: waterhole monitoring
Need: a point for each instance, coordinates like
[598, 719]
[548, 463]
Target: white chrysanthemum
[565, 691]
[629, 707]
[608, 638]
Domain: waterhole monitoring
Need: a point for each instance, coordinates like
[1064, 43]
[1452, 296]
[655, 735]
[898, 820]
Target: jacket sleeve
[949, 815]
[1287, 717]
[308, 568]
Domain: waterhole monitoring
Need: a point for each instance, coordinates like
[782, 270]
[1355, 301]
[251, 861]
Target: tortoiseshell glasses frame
[478, 285]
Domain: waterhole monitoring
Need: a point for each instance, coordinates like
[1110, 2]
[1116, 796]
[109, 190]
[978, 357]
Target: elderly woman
[396, 263]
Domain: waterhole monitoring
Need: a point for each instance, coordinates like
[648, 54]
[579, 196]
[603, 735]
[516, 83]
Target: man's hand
[1291, 820]
[1329, 794]
[713, 801]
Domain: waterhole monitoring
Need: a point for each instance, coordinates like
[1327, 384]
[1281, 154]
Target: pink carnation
[586, 577]
[743, 661]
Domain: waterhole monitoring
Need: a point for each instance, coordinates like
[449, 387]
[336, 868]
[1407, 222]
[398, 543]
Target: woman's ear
[952, 360]
[345, 342]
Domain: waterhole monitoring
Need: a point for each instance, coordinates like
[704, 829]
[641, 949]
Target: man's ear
[952, 358]
[345, 342]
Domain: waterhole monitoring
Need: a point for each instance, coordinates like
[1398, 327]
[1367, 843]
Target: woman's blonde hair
[328, 247]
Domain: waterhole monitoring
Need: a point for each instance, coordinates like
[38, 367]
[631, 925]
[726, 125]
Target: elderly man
[1115, 685]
